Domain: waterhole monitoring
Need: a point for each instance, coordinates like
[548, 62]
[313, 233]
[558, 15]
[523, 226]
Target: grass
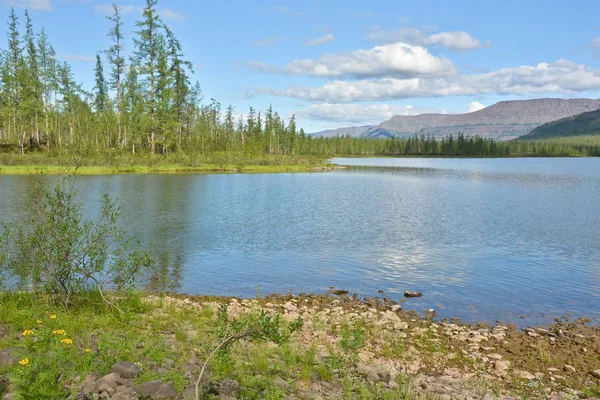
[168, 342]
[119, 163]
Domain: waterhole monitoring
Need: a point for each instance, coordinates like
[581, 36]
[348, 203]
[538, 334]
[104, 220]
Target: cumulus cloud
[80, 58]
[460, 40]
[397, 59]
[35, 5]
[475, 106]
[562, 76]
[365, 114]
[172, 15]
[321, 40]
[269, 41]
[123, 10]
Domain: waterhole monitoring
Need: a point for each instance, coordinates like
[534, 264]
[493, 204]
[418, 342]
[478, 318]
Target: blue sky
[337, 63]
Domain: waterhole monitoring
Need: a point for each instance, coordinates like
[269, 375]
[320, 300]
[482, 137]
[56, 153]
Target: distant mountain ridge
[583, 124]
[502, 121]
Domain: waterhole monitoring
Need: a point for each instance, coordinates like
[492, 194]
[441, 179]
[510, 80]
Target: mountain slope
[352, 131]
[583, 124]
[502, 121]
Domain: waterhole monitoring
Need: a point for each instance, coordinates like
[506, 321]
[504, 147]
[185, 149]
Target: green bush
[61, 254]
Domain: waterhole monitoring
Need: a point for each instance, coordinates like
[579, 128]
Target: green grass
[120, 163]
[167, 342]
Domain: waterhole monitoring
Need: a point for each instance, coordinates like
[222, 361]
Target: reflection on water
[483, 239]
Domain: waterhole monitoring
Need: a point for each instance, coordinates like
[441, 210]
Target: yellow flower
[59, 332]
[38, 322]
[67, 341]
[24, 361]
[88, 350]
[27, 332]
[53, 316]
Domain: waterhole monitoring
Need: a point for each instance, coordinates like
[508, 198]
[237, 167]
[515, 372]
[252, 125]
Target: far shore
[161, 169]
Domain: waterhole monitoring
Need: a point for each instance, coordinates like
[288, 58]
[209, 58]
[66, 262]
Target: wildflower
[88, 350]
[27, 332]
[59, 332]
[24, 361]
[67, 341]
[38, 322]
[53, 316]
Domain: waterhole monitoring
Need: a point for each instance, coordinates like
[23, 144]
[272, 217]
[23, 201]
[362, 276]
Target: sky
[337, 63]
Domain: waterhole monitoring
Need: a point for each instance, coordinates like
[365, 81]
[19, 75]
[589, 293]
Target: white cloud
[35, 5]
[364, 114]
[171, 15]
[474, 106]
[460, 40]
[398, 60]
[123, 10]
[321, 40]
[562, 76]
[75, 57]
[269, 41]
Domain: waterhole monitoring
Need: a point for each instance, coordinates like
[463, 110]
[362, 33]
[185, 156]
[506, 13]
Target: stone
[10, 396]
[157, 390]
[228, 387]
[281, 384]
[569, 370]
[524, 375]
[126, 370]
[409, 294]
[430, 314]
[338, 292]
[125, 396]
[501, 366]
[110, 385]
[8, 358]
[595, 373]
[375, 372]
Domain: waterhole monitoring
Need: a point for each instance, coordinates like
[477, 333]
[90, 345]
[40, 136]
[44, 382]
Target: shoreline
[346, 348]
[163, 169]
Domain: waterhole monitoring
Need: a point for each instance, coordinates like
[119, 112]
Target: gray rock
[281, 384]
[126, 370]
[111, 384]
[430, 314]
[410, 294]
[156, 390]
[228, 387]
[595, 373]
[9, 396]
[8, 358]
[338, 292]
[374, 372]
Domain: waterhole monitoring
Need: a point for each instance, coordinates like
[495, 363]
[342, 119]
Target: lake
[483, 239]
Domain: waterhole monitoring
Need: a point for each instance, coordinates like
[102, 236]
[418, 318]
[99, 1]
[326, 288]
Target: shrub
[61, 254]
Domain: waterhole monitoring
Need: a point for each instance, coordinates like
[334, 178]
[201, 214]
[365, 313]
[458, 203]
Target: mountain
[502, 121]
[352, 131]
[583, 124]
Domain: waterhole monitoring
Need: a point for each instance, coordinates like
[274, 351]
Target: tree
[146, 59]
[47, 64]
[117, 62]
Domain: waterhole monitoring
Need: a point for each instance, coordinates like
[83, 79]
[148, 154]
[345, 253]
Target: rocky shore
[354, 343]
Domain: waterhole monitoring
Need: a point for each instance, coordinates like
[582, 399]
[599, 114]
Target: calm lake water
[483, 239]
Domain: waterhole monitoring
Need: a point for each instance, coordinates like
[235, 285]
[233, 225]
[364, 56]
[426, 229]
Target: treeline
[459, 146]
[146, 103]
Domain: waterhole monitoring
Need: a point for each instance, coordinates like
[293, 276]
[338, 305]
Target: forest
[147, 107]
